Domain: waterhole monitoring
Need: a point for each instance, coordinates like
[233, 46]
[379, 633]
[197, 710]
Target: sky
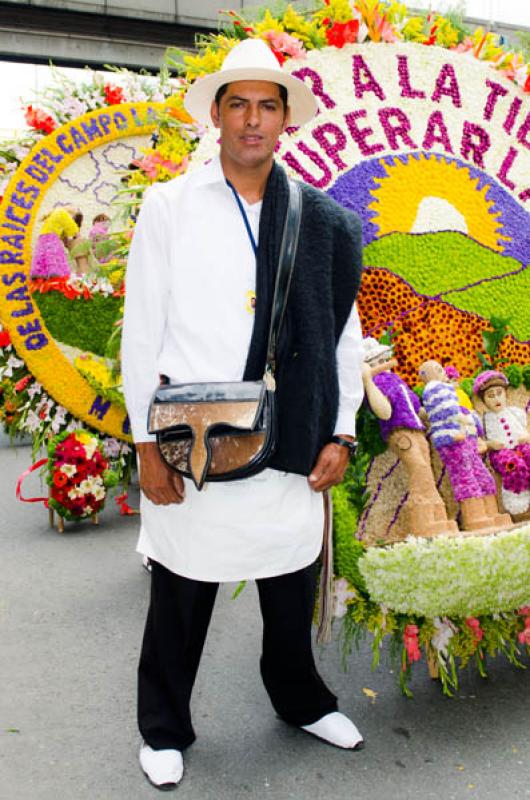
[22, 80]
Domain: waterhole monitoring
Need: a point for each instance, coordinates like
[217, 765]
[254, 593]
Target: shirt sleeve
[350, 354]
[146, 305]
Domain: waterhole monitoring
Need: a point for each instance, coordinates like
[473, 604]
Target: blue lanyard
[244, 215]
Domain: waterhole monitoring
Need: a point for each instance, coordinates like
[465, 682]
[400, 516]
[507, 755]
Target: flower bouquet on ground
[79, 475]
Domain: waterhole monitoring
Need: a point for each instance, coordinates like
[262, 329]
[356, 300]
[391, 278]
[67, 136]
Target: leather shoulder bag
[227, 431]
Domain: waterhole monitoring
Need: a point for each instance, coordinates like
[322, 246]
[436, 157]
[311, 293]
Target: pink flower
[285, 44]
[474, 624]
[524, 611]
[524, 637]
[151, 163]
[466, 46]
[451, 372]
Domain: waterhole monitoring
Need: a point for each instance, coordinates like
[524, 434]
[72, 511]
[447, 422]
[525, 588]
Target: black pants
[176, 627]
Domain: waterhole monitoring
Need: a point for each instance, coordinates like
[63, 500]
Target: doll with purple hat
[507, 438]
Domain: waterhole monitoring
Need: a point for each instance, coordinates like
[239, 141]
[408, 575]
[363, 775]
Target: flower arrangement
[447, 642]
[78, 475]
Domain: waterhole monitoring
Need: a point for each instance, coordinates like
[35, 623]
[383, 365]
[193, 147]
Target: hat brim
[301, 100]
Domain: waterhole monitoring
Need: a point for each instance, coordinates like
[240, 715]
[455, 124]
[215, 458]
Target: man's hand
[160, 484]
[330, 467]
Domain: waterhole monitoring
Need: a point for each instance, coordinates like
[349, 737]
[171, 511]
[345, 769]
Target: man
[191, 274]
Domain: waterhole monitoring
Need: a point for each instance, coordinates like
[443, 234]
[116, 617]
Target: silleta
[391, 127]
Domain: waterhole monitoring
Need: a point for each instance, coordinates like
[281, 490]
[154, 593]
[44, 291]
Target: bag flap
[171, 405]
[209, 392]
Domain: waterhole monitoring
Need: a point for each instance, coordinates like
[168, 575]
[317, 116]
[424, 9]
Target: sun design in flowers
[423, 194]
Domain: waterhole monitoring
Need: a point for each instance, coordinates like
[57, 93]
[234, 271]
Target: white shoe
[336, 729]
[163, 768]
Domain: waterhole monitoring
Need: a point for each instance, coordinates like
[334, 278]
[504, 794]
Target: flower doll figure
[453, 434]
[397, 408]
[508, 440]
[82, 260]
[50, 257]
[98, 235]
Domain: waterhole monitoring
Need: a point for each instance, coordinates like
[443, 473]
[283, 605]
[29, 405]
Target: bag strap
[289, 246]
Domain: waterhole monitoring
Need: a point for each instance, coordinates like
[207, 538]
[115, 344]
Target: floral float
[424, 130]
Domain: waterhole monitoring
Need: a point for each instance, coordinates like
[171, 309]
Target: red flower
[113, 95]
[5, 338]
[410, 640]
[22, 383]
[39, 120]
[527, 84]
[341, 33]
[474, 625]
[60, 479]
[279, 56]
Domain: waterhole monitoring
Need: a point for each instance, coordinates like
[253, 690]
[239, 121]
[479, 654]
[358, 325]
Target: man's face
[251, 117]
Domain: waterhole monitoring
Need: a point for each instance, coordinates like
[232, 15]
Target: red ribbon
[24, 475]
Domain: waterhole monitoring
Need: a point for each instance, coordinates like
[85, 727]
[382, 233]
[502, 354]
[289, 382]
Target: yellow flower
[312, 34]
[268, 23]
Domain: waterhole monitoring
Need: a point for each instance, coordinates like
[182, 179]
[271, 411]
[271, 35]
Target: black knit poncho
[325, 281]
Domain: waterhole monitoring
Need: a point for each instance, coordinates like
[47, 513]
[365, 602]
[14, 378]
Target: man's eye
[269, 106]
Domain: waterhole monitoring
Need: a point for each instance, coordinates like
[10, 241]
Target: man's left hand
[330, 467]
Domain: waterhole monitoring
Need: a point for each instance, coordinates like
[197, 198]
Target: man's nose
[253, 116]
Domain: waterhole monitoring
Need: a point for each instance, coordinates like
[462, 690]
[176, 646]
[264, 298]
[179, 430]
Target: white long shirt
[189, 315]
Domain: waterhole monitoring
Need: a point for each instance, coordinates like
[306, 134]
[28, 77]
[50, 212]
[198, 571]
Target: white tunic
[189, 315]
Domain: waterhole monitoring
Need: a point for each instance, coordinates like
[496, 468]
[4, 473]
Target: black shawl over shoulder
[325, 281]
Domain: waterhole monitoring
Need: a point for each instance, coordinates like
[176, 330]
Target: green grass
[86, 324]
[433, 263]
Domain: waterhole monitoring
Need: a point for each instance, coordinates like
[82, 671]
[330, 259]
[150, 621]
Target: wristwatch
[351, 445]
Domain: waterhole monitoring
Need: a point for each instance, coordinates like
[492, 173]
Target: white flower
[91, 486]
[35, 388]
[12, 363]
[32, 422]
[90, 447]
[341, 594]
[444, 632]
[73, 107]
[111, 447]
[68, 469]
[59, 419]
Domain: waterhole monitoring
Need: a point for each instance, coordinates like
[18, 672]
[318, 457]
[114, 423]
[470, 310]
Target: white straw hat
[374, 349]
[250, 60]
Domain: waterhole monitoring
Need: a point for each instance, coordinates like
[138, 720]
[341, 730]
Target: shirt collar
[210, 173]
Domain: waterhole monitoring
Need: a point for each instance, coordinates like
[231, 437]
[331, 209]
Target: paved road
[71, 615]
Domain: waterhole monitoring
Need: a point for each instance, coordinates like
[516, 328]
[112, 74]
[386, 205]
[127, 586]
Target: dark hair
[78, 219]
[222, 90]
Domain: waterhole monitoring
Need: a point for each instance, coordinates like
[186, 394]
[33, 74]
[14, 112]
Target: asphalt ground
[72, 609]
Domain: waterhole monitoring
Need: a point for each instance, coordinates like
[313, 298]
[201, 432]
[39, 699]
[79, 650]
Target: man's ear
[214, 113]
[286, 119]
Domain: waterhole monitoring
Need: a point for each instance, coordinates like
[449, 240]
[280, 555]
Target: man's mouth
[252, 138]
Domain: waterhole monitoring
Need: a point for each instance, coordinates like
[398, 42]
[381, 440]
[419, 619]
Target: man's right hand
[160, 484]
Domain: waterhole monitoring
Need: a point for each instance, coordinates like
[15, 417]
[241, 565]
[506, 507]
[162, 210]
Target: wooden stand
[60, 520]
[432, 663]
